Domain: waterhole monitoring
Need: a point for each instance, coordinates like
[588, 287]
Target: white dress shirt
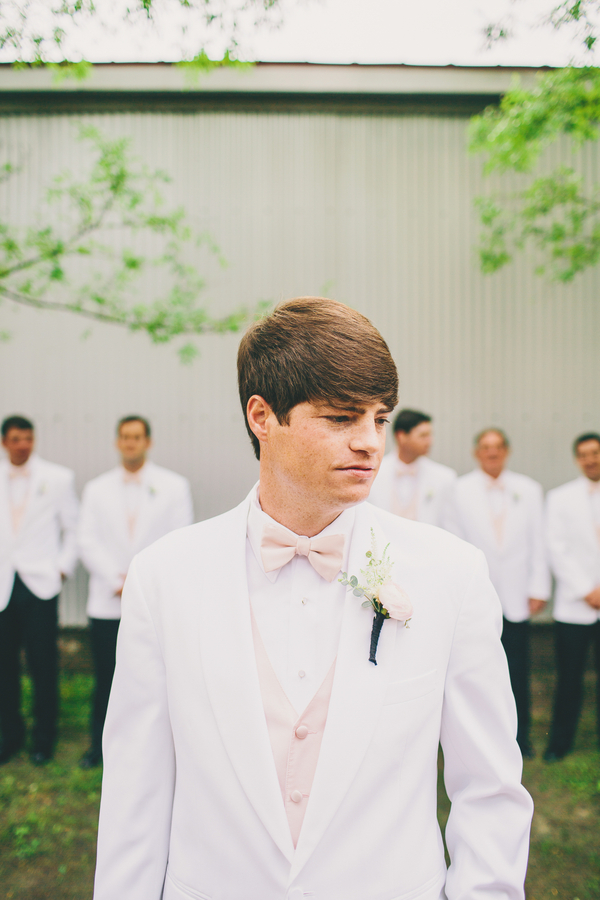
[594, 491]
[298, 613]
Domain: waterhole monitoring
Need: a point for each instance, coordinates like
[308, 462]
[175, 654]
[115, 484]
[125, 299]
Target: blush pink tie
[325, 554]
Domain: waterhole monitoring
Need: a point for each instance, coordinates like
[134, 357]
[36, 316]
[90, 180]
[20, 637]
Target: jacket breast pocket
[410, 689]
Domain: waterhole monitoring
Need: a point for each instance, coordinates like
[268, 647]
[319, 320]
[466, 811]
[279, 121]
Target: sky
[416, 32]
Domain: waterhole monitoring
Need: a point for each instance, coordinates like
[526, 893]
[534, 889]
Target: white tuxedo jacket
[573, 550]
[434, 484]
[105, 545]
[191, 803]
[45, 544]
[518, 568]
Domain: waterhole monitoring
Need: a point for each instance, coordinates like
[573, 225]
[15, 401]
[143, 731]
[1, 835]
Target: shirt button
[301, 732]
[296, 796]
[304, 601]
[301, 673]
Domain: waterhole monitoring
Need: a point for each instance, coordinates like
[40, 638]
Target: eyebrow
[359, 410]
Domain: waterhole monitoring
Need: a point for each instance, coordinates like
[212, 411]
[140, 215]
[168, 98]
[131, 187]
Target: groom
[252, 751]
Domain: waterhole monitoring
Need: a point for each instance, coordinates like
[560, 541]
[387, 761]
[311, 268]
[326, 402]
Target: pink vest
[295, 740]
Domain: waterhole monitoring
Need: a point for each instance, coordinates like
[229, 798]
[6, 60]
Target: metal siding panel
[377, 207]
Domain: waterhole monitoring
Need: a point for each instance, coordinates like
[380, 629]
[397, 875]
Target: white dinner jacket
[573, 550]
[434, 484]
[45, 544]
[518, 567]
[105, 545]
[191, 804]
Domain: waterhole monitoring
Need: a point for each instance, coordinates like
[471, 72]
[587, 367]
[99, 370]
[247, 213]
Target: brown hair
[317, 350]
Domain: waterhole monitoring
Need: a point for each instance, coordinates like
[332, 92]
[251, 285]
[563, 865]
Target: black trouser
[103, 633]
[571, 645]
[515, 639]
[31, 623]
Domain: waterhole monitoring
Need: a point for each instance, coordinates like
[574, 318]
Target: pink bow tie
[406, 469]
[19, 472]
[131, 477]
[325, 554]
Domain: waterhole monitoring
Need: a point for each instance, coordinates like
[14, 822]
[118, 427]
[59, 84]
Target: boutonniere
[387, 598]
[429, 496]
[152, 490]
[516, 497]
[42, 489]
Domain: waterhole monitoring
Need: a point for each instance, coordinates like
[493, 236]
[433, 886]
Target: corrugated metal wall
[375, 210]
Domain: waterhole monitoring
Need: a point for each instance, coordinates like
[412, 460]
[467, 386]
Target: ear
[257, 413]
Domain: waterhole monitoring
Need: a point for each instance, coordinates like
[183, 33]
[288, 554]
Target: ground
[48, 815]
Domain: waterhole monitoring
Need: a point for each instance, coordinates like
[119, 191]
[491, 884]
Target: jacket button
[301, 732]
[296, 796]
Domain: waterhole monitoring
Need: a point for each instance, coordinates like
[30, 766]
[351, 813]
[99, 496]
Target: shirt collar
[133, 477]
[492, 484]
[257, 519]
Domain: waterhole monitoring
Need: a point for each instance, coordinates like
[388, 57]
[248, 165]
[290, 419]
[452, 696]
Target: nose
[367, 437]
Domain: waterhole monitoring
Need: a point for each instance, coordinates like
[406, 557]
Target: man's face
[417, 441]
[132, 442]
[327, 455]
[587, 457]
[491, 453]
[19, 443]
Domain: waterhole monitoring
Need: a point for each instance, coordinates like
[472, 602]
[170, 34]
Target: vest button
[301, 732]
[296, 796]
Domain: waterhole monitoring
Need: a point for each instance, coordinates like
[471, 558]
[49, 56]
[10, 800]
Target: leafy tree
[557, 212]
[80, 257]
[45, 32]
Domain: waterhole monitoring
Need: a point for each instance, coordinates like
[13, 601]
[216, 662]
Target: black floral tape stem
[378, 621]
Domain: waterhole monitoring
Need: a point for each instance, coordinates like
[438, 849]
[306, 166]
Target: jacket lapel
[356, 700]
[149, 503]
[585, 517]
[229, 664]
[38, 487]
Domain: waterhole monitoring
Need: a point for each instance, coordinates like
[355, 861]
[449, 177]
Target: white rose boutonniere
[386, 597]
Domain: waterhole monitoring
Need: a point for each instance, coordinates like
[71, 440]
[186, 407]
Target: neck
[594, 478]
[133, 465]
[494, 474]
[298, 514]
[408, 456]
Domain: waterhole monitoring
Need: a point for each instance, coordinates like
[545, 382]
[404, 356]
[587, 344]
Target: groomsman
[501, 512]
[38, 518]
[573, 534]
[122, 512]
[409, 483]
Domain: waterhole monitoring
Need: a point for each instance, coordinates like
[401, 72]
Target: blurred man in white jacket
[122, 512]
[573, 534]
[410, 484]
[501, 512]
[38, 518]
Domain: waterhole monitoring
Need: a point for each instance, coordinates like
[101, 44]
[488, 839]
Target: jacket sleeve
[92, 549]
[539, 577]
[68, 512]
[487, 834]
[139, 762]
[450, 518]
[182, 511]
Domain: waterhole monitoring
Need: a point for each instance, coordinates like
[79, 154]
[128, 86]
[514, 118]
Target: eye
[382, 421]
[339, 420]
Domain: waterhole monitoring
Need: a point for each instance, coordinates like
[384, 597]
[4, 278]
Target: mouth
[358, 471]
